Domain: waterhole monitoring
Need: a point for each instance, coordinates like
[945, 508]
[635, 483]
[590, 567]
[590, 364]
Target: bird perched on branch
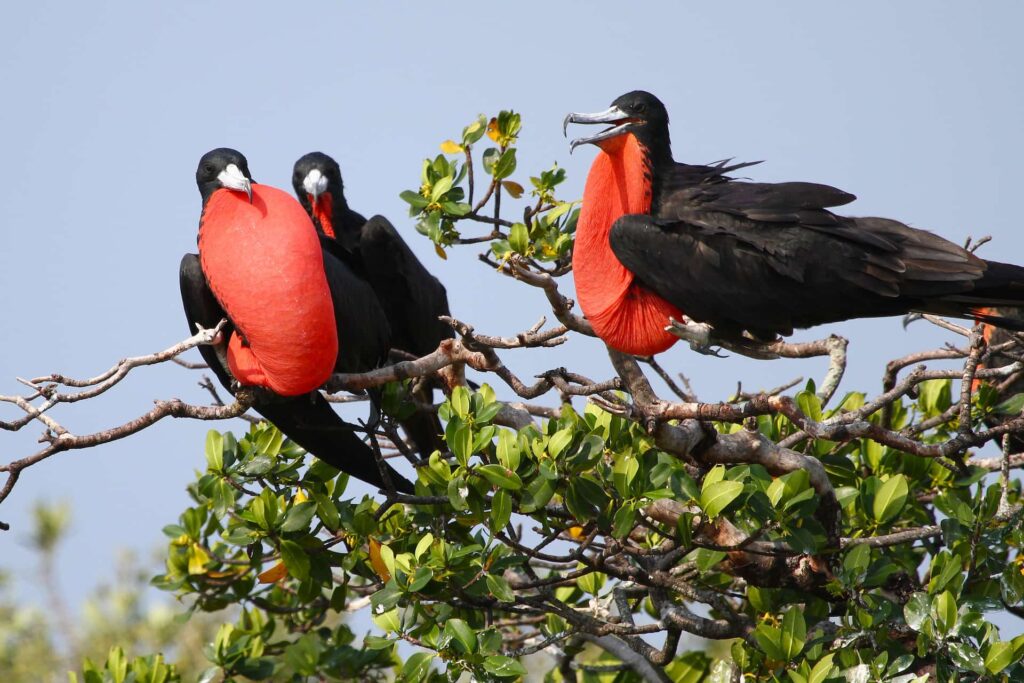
[296, 313]
[659, 239]
[412, 298]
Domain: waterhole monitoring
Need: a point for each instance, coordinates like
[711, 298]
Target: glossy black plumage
[767, 258]
[309, 420]
[410, 296]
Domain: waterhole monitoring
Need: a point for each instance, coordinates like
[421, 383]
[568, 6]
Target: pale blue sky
[916, 107]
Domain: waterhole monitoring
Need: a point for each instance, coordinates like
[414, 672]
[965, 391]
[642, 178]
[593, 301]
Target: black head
[314, 174]
[637, 112]
[223, 168]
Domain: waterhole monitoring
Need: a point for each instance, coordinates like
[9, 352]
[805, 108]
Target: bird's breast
[624, 314]
[264, 264]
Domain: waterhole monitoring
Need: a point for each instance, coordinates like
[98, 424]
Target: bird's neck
[619, 183]
[333, 216]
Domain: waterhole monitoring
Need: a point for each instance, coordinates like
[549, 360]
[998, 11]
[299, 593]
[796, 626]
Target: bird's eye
[640, 107]
[208, 168]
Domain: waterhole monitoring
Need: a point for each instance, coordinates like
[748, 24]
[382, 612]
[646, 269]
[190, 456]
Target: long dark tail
[311, 422]
[997, 298]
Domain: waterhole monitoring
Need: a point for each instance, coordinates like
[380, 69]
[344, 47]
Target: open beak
[233, 179]
[620, 120]
[315, 184]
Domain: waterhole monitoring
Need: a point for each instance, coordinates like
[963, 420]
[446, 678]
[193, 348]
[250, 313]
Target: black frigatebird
[411, 297]
[296, 313]
[657, 238]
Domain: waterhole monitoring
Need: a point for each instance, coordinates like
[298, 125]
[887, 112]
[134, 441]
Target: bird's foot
[699, 335]
[703, 339]
[211, 336]
[911, 318]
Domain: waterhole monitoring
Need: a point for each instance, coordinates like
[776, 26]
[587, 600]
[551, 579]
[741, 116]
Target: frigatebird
[411, 297]
[659, 239]
[296, 313]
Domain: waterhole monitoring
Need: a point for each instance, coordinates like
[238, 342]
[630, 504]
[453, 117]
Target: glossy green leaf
[462, 634]
[890, 498]
[715, 498]
[504, 667]
[295, 559]
[500, 476]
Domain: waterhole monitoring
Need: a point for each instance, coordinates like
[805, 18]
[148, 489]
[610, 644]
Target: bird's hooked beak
[315, 183]
[233, 179]
[620, 120]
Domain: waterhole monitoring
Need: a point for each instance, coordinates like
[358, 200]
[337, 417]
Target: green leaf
[500, 476]
[857, 560]
[258, 466]
[999, 654]
[423, 545]
[916, 610]
[966, 657]
[559, 440]
[715, 498]
[690, 667]
[716, 474]
[389, 621]
[420, 579]
[501, 510]
[415, 199]
[489, 158]
[214, 450]
[117, 664]
[822, 669]
[505, 165]
[519, 238]
[890, 498]
[462, 634]
[499, 588]
[417, 666]
[299, 517]
[536, 495]
[504, 667]
[460, 440]
[793, 633]
[624, 521]
[767, 638]
[1011, 406]
[269, 442]
[474, 131]
[810, 404]
[460, 401]
[944, 611]
[295, 559]
[441, 187]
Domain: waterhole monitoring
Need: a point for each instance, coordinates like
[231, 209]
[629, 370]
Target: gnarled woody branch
[742, 447]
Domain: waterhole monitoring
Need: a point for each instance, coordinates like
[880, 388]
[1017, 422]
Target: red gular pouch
[264, 264]
[623, 313]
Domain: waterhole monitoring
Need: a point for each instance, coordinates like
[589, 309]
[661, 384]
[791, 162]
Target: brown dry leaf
[513, 188]
[274, 574]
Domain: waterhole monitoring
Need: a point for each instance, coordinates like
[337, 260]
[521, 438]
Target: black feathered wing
[767, 258]
[413, 300]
